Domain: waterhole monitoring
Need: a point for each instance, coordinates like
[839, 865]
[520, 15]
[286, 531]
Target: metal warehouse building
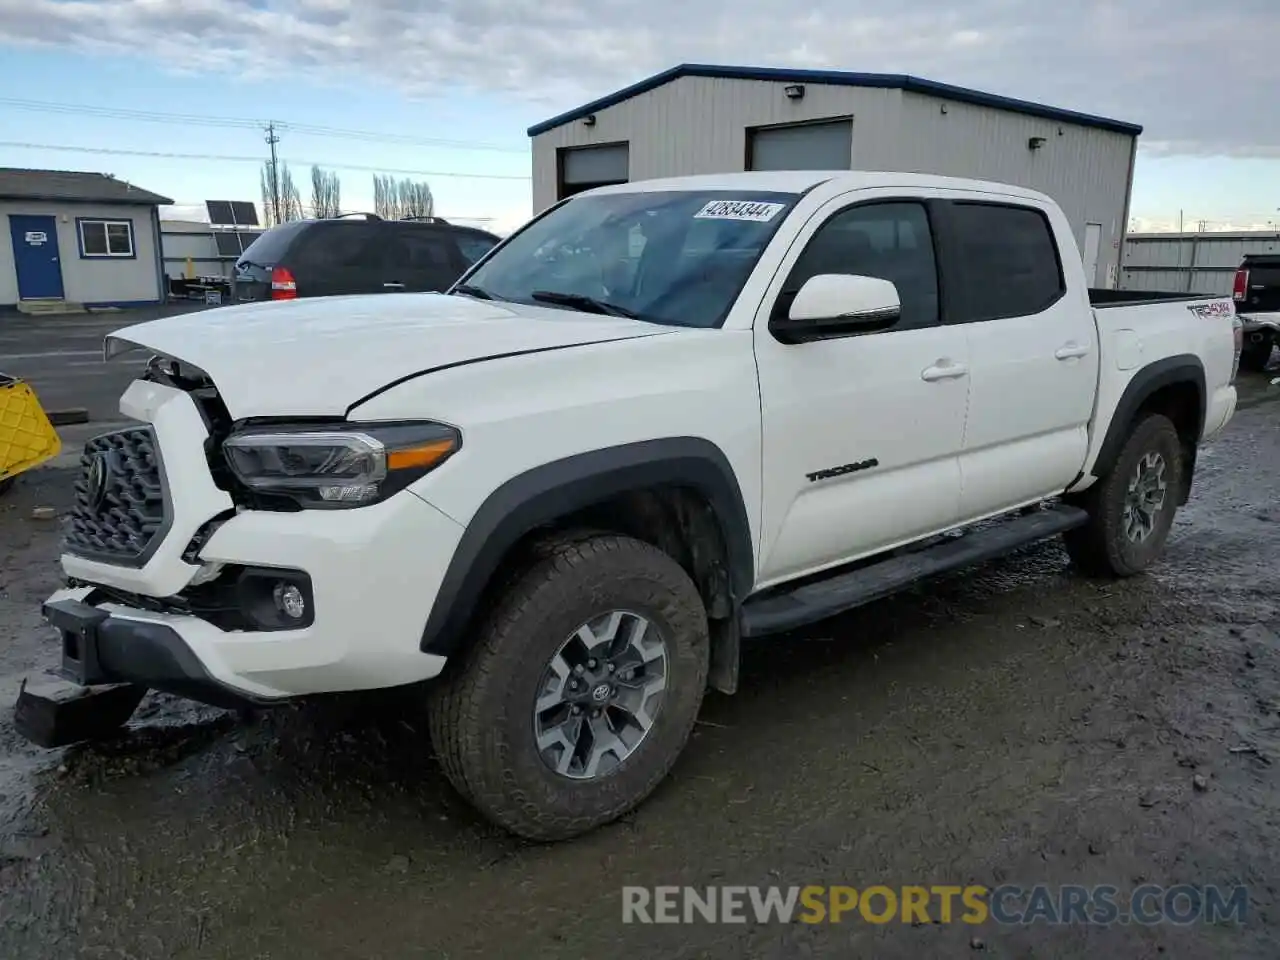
[78, 238]
[695, 119]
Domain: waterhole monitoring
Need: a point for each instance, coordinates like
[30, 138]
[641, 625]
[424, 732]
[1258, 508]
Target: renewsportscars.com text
[1100, 905]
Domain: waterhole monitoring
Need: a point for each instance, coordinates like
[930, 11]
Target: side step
[775, 613]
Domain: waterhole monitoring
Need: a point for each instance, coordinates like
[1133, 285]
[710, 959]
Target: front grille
[120, 507]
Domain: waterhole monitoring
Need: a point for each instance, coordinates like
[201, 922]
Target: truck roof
[797, 181]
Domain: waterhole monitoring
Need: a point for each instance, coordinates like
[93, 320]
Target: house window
[106, 238]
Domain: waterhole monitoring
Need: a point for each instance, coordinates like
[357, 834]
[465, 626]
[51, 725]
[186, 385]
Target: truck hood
[321, 357]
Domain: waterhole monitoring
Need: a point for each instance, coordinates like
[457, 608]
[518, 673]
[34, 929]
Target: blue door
[35, 257]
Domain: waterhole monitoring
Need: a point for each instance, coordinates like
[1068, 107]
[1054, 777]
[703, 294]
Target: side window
[349, 246]
[1007, 259]
[473, 246]
[424, 251]
[889, 240]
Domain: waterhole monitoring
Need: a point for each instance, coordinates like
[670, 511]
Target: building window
[106, 238]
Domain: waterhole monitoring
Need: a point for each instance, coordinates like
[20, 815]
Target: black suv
[1257, 296]
[325, 258]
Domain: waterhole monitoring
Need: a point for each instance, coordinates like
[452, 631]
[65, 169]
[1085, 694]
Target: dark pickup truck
[1257, 297]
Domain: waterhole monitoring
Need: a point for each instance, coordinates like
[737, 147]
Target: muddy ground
[1016, 725]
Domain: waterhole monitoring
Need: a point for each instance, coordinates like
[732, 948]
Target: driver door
[862, 433]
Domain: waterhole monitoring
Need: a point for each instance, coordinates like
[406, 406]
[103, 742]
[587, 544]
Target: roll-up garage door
[582, 168]
[808, 146]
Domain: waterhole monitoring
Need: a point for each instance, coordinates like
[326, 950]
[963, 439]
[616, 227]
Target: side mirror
[838, 304]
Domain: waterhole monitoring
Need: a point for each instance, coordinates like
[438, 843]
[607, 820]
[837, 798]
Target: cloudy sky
[447, 87]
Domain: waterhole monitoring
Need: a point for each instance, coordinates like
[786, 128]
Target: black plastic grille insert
[121, 510]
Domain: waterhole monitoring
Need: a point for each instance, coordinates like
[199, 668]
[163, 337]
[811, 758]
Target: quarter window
[891, 241]
[106, 238]
[1007, 259]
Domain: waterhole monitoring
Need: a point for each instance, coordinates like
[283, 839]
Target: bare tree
[326, 193]
[416, 199]
[268, 197]
[290, 198]
[386, 199]
[287, 200]
[395, 199]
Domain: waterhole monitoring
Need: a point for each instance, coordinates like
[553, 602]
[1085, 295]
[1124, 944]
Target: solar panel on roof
[245, 214]
[219, 211]
[247, 237]
[228, 243]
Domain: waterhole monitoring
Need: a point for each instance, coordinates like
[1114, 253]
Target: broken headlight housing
[344, 465]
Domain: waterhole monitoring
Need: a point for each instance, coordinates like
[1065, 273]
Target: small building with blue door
[80, 238]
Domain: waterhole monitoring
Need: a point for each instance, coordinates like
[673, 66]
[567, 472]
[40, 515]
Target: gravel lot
[1014, 725]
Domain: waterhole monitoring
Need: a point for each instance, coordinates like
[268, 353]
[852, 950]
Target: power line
[242, 123]
[227, 158]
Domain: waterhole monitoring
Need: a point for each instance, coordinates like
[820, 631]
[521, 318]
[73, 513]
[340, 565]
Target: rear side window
[345, 246]
[1007, 260]
[421, 250]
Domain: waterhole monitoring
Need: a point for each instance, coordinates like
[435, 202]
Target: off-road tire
[481, 715]
[1254, 356]
[1100, 548]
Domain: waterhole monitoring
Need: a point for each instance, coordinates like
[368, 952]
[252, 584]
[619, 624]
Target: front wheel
[580, 691]
[1131, 509]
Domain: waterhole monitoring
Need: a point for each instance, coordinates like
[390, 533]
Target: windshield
[674, 257]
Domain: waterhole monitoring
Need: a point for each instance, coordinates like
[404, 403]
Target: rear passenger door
[1033, 352]
[341, 258]
[861, 433]
[421, 260]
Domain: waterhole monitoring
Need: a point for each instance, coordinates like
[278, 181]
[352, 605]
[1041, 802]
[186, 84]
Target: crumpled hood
[320, 357]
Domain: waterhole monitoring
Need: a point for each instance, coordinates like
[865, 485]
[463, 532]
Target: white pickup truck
[660, 417]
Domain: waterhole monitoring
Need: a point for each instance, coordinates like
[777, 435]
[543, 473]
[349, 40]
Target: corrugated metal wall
[1192, 262]
[698, 125]
[1084, 169]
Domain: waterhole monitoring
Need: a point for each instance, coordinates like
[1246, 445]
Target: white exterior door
[1092, 244]
[1033, 352]
[861, 433]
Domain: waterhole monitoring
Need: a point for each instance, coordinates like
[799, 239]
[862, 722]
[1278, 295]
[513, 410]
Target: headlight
[348, 465]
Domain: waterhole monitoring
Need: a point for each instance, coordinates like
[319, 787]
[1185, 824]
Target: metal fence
[1193, 262]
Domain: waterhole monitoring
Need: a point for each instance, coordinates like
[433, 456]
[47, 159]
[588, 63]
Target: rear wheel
[580, 692]
[1255, 356]
[1131, 509]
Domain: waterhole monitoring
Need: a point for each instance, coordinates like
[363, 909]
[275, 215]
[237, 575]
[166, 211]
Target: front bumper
[373, 573]
[100, 648]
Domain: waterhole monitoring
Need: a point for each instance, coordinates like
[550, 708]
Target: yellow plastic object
[27, 438]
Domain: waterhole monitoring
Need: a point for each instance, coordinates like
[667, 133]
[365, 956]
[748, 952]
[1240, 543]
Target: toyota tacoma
[658, 419]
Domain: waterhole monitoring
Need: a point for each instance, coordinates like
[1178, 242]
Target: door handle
[1070, 351]
[394, 286]
[944, 370]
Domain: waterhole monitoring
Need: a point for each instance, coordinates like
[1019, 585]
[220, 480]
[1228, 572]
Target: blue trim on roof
[893, 81]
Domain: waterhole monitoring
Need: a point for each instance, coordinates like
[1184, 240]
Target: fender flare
[553, 490]
[1183, 368]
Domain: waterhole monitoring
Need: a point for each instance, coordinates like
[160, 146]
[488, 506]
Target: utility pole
[272, 140]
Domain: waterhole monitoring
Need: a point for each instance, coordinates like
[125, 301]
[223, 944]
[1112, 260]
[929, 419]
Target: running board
[778, 612]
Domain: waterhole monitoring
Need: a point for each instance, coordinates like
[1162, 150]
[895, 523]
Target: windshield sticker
[739, 210]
